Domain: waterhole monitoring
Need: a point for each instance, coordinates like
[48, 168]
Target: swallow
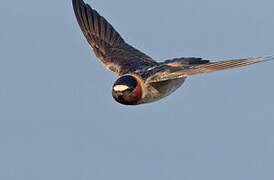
[141, 79]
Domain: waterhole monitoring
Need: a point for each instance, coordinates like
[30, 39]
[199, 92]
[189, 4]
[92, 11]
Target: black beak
[117, 95]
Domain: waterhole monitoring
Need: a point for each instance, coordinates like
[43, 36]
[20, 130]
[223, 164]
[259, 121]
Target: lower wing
[174, 72]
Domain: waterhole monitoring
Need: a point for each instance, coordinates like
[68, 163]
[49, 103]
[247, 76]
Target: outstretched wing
[179, 71]
[107, 44]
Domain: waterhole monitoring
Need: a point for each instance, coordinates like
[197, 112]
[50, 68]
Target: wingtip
[262, 58]
[74, 2]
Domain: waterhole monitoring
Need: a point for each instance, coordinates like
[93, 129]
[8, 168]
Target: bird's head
[127, 90]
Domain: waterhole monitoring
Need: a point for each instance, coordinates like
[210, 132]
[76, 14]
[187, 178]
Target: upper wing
[174, 72]
[185, 61]
[118, 56]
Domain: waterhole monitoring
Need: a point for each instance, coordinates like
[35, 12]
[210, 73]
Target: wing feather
[171, 72]
[108, 45]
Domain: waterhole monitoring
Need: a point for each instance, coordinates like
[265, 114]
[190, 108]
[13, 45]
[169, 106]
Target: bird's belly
[159, 90]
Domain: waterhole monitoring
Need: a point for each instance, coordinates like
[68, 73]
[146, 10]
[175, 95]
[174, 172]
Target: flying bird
[140, 78]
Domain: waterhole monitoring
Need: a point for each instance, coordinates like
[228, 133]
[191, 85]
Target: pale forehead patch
[120, 87]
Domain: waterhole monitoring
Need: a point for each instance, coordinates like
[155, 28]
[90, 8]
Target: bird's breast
[158, 90]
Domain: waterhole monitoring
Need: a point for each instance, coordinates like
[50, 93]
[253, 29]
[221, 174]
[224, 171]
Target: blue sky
[58, 119]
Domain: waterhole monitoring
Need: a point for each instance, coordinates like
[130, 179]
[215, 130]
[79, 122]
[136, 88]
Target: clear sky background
[58, 119]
